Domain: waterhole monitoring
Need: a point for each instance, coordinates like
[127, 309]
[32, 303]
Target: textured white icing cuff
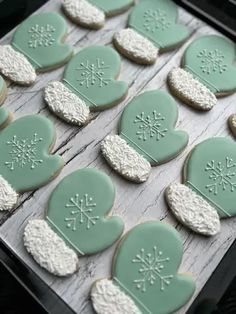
[16, 67]
[190, 90]
[232, 123]
[124, 159]
[8, 197]
[84, 13]
[192, 210]
[48, 249]
[107, 298]
[135, 46]
[65, 104]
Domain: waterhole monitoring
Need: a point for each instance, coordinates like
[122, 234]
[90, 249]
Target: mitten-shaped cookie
[76, 223]
[37, 45]
[92, 13]
[152, 28]
[89, 84]
[209, 189]
[25, 161]
[146, 136]
[3, 90]
[145, 276]
[207, 71]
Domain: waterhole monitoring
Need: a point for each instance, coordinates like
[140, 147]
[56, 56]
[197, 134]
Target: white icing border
[16, 67]
[8, 196]
[66, 104]
[107, 298]
[190, 90]
[84, 13]
[135, 46]
[48, 249]
[192, 210]
[124, 159]
[232, 123]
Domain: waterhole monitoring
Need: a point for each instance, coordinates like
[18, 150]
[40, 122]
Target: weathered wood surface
[80, 148]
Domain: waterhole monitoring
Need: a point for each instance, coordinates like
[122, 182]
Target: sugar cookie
[25, 163]
[152, 28]
[207, 72]
[209, 189]
[146, 136]
[145, 276]
[3, 90]
[76, 223]
[92, 13]
[89, 83]
[232, 124]
[37, 45]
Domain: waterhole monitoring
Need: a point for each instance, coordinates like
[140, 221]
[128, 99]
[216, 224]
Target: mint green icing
[78, 210]
[147, 125]
[210, 59]
[146, 268]
[211, 172]
[2, 85]
[91, 74]
[24, 160]
[40, 38]
[112, 6]
[4, 116]
[156, 20]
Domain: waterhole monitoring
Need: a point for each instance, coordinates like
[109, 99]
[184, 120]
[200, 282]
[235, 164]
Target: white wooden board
[81, 148]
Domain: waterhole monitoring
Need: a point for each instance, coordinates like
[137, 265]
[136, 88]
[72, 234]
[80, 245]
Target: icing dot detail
[41, 36]
[23, 152]
[212, 61]
[150, 270]
[221, 175]
[93, 74]
[155, 20]
[150, 126]
[81, 213]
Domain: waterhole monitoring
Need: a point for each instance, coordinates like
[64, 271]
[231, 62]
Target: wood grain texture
[80, 147]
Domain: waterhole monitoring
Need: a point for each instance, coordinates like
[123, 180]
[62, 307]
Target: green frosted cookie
[25, 160]
[77, 222]
[207, 71]
[152, 27]
[209, 190]
[147, 136]
[3, 91]
[92, 13]
[89, 84]
[37, 45]
[145, 276]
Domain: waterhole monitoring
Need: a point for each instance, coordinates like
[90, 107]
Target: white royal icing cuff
[8, 197]
[16, 67]
[108, 298]
[84, 13]
[135, 46]
[192, 210]
[190, 90]
[65, 104]
[48, 249]
[124, 159]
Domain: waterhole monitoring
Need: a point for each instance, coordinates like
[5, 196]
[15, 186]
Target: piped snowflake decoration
[81, 212]
[212, 61]
[92, 74]
[23, 152]
[155, 20]
[41, 36]
[221, 175]
[151, 268]
[150, 126]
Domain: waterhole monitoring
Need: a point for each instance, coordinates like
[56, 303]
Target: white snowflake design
[93, 73]
[82, 212]
[155, 20]
[221, 175]
[150, 126]
[151, 266]
[23, 152]
[41, 36]
[212, 61]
